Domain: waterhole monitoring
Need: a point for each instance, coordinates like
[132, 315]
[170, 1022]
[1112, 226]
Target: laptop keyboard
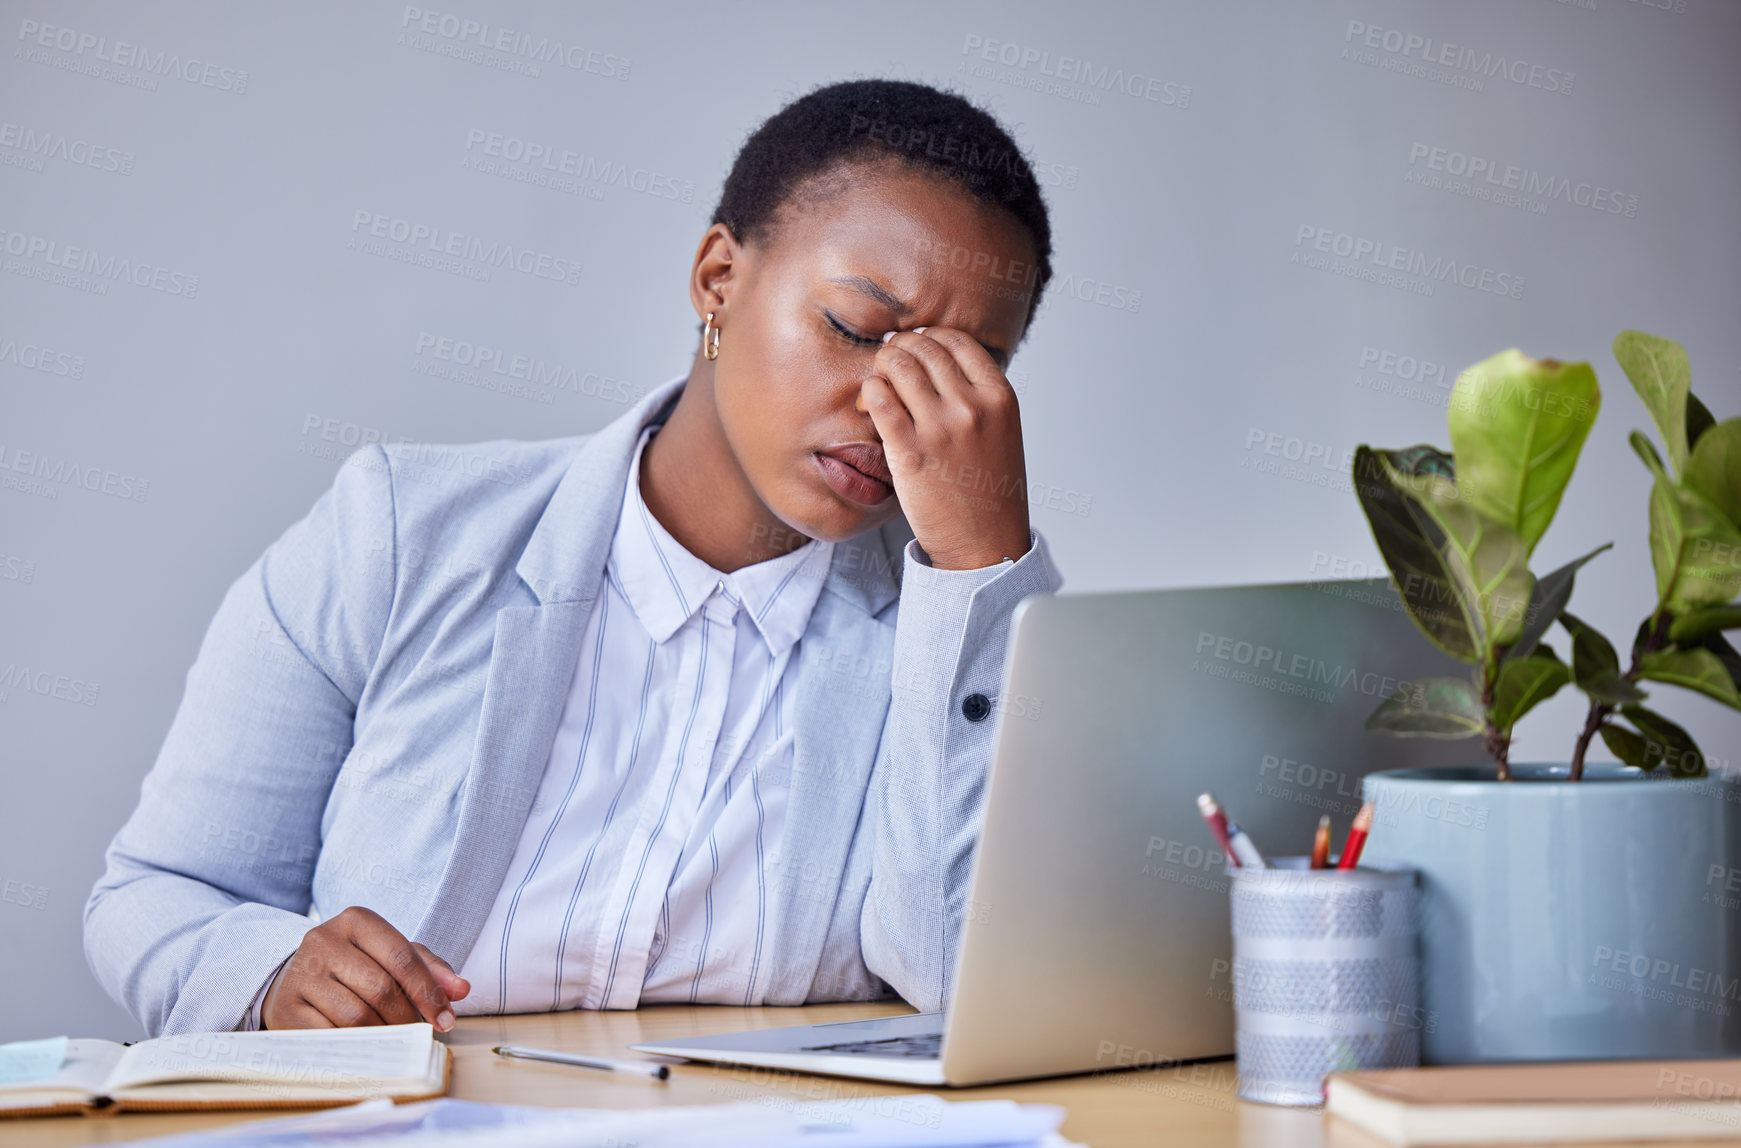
[929, 1046]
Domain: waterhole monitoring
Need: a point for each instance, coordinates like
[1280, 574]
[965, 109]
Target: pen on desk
[1217, 822]
[633, 1067]
[1321, 843]
[1356, 837]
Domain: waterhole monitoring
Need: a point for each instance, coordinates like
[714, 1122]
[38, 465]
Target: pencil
[1321, 843]
[1356, 837]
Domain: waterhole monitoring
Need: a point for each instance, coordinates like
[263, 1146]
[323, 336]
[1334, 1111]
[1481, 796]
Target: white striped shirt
[643, 871]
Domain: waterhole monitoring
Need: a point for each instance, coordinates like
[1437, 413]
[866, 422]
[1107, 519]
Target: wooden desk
[1190, 1105]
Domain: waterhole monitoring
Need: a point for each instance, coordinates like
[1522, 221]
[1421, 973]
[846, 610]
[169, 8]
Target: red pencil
[1356, 838]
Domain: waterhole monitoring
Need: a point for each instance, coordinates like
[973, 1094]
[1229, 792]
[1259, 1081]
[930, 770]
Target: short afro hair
[922, 128]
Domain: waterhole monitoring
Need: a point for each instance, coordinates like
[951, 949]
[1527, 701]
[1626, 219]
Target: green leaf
[1411, 546]
[1714, 468]
[1524, 684]
[1546, 602]
[1592, 654]
[1726, 653]
[1645, 628]
[1662, 377]
[1699, 420]
[1690, 627]
[1596, 667]
[1720, 648]
[1667, 743]
[1431, 707]
[1695, 669]
[1695, 550]
[1487, 560]
[1629, 747]
[1464, 577]
[1424, 459]
[1517, 425]
[1646, 450]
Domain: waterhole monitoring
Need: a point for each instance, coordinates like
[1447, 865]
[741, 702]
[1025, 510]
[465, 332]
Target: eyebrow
[875, 290]
[868, 286]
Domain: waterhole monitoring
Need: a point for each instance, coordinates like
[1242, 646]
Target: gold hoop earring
[710, 338]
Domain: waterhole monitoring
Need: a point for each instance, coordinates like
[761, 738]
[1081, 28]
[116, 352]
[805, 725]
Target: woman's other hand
[356, 969]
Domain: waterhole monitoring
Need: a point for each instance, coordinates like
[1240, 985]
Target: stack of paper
[900, 1121]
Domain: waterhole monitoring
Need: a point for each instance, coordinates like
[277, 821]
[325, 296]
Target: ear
[717, 266]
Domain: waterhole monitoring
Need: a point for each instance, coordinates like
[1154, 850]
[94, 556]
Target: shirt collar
[666, 584]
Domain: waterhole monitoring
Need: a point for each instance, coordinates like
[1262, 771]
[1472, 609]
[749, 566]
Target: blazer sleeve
[207, 885]
[927, 788]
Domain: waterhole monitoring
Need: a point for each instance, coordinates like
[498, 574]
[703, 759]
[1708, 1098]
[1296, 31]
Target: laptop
[1097, 934]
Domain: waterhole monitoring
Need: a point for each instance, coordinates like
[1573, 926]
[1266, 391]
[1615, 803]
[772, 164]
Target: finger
[363, 975]
[389, 949]
[456, 986]
[298, 1014]
[906, 372]
[954, 392]
[974, 361]
[339, 1006]
[935, 347]
[894, 422]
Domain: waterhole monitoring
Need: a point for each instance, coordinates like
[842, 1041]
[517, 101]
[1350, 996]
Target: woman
[691, 708]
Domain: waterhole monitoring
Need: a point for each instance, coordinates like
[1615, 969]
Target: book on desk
[1637, 1101]
[301, 1068]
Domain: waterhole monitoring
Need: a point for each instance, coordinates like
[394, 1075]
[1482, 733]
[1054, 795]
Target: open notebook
[293, 1068]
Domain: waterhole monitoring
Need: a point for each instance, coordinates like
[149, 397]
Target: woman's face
[803, 314]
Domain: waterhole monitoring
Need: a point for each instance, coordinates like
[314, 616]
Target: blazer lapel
[840, 706]
[532, 663]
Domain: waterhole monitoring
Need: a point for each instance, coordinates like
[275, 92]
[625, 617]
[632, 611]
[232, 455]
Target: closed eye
[849, 336]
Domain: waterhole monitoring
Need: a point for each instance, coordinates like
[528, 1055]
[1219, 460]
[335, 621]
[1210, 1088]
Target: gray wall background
[1189, 386]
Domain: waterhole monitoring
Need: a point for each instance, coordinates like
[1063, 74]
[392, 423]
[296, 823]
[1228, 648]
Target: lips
[856, 472]
[866, 458]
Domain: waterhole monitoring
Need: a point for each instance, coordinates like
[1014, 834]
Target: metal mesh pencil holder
[1325, 976]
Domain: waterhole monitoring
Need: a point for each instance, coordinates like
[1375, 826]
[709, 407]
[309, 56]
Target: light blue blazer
[374, 703]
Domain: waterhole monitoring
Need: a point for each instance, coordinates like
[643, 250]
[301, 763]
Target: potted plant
[1570, 910]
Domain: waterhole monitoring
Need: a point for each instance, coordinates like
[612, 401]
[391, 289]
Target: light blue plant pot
[1591, 920]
